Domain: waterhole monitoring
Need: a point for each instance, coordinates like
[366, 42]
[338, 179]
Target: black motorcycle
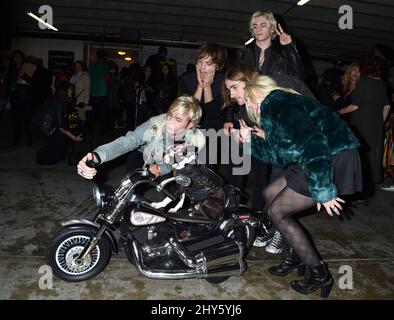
[159, 244]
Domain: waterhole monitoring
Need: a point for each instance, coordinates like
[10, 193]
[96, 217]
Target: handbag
[45, 123]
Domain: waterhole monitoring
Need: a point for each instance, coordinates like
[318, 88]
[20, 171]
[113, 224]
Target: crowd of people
[309, 146]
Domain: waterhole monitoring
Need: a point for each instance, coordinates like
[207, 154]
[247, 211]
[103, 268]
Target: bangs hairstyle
[242, 73]
[216, 52]
[264, 85]
[270, 18]
[189, 105]
[346, 78]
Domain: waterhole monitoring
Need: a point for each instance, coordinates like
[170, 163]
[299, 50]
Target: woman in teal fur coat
[318, 153]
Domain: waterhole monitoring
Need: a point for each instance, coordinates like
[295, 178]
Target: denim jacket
[150, 139]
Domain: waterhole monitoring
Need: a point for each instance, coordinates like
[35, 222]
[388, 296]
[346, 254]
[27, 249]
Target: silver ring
[333, 207]
[80, 170]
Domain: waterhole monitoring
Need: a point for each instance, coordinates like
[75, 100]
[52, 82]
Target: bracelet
[97, 157]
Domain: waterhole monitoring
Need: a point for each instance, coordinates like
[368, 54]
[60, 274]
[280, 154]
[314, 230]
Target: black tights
[282, 202]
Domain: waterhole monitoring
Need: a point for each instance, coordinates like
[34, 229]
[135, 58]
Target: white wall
[39, 48]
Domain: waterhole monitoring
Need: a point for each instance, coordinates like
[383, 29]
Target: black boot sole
[300, 271]
[325, 288]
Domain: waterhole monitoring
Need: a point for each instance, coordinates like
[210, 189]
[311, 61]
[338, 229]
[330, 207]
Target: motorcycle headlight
[102, 194]
[97, 195]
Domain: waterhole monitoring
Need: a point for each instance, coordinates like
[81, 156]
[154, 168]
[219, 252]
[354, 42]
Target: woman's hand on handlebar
[83, 169]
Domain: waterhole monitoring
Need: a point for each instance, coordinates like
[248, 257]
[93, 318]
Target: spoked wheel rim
[69, 250]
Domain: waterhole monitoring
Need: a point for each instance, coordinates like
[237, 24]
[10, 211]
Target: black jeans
[100, 114]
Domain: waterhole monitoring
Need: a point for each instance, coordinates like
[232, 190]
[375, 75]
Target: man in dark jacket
[267, 59]
[284, 65]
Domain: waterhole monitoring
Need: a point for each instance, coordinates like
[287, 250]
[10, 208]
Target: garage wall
[39, 48]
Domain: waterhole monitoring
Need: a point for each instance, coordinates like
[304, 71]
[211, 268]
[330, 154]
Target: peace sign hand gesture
[284, 38]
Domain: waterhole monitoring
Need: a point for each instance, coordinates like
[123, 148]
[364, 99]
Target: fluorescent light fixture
[302, 2]
[121, 53]
[249, 41]
[128, 58]
[42, 21]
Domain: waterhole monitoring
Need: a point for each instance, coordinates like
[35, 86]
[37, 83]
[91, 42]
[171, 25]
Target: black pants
[100, 114]
[260, 173]
[22, 113]
[54, 151]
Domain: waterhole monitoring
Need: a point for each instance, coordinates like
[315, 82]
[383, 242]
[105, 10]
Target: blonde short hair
[264, 85]
[270, 18]
[188, 104]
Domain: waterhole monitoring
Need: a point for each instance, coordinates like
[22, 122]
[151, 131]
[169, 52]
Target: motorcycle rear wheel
[68, 244]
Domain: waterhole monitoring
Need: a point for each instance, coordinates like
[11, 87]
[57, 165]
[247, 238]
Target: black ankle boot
[316, 277]
[291, 262]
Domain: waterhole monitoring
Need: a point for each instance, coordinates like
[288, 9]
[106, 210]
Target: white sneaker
[276, 245]
[263, 237]
[388, 188]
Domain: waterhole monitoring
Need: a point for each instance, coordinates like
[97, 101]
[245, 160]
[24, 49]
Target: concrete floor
[35, 199]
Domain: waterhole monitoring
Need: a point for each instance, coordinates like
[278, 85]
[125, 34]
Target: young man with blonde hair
[151, 138]
[282, 62]
[261, 54]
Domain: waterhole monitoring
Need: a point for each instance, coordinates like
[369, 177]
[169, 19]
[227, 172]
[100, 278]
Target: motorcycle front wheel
[65, 247]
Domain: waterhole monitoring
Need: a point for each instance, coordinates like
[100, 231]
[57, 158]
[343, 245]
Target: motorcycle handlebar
[91, 164]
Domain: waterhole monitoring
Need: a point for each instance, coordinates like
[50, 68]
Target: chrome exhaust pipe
[220, 254]
[200, 267]
[227, 270]
[161, 274]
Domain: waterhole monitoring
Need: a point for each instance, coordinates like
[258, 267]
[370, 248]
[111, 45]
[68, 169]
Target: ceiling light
[249, 41]
[121, 53]
[128, 58]
[42, 21]
[302, 2]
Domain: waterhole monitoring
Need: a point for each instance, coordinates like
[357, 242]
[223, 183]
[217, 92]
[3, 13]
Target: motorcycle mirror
[183, 180]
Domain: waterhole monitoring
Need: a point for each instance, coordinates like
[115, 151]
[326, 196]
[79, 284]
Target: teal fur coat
[299, 130]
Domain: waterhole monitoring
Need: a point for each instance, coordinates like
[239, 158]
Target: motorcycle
[159, 244]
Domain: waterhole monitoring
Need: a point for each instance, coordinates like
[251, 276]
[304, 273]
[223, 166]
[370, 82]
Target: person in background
[59, 138]
[368, 112]
[41, 85]
[98, 72]
[80, 85]
[349, 81]
[155, 61]
[4, 65]
[166, 89]
[113, 93]
[20, 96]
[149, 92]
[329, 91]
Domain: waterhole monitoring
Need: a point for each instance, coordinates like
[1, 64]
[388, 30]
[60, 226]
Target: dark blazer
[309, 135]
